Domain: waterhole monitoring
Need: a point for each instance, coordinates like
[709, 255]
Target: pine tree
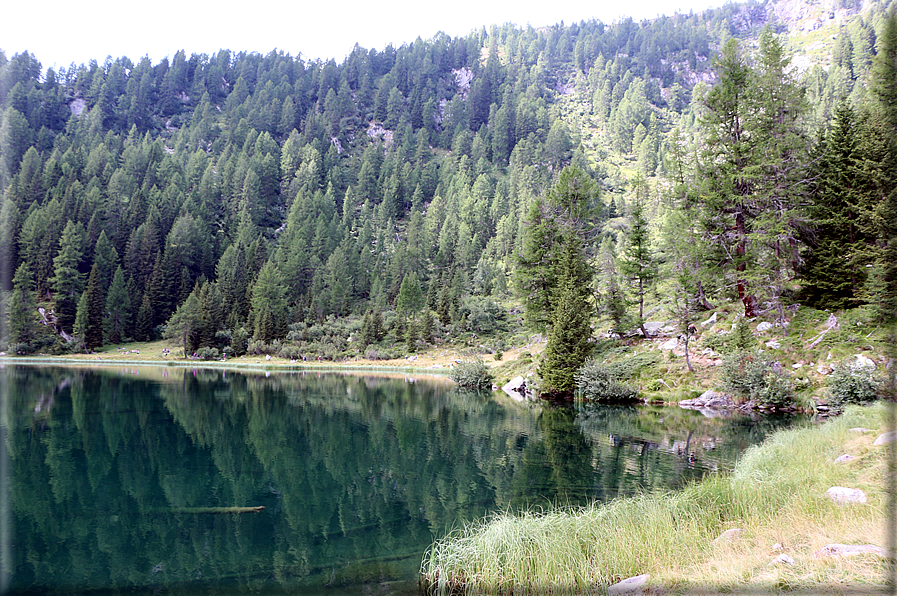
[269, 305]
[93, 330]
[185, 323]
[564, 220]
[68, 282]
[569, 340]
[638, 262]
[118, 308]
[22, 310]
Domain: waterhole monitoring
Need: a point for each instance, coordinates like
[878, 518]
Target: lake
[124, 479]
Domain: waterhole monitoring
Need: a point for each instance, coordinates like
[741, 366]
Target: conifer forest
[556, 180]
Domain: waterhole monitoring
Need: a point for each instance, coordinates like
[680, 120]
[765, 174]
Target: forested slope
[276, 204]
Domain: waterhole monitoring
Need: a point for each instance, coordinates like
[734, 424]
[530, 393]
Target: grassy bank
[776, 496]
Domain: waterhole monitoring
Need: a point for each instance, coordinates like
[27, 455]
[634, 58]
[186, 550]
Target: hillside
[247, 204]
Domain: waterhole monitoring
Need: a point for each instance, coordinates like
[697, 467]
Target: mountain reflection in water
[127, 479]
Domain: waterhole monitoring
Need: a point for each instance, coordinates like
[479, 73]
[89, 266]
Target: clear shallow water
[112, 474]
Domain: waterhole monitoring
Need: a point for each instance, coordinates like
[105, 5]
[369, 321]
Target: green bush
[751, 377]
[472, 375]
[852, 383]
[599, 382]
[208, 354]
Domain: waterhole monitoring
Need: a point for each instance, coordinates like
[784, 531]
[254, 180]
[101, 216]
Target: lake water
[114, 478]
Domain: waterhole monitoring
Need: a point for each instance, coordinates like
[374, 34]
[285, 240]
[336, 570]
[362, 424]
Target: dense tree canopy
[267, 202]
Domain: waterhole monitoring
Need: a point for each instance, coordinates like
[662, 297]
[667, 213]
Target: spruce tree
[118, 308]
[93, 329]
[569, 339]
[638, 262]
[67, 281]
[22, 310]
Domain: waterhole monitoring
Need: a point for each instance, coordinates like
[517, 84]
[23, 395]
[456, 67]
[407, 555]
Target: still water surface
[113, 475]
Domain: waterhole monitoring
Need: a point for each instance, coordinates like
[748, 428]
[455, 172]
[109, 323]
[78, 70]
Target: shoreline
[767, 525]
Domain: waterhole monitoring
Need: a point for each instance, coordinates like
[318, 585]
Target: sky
[61, 32]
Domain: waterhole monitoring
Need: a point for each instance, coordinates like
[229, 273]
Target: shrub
[290, 352]
[750, 376]
[208, 353]
[472, 375]
[600, 383]
[852, 383]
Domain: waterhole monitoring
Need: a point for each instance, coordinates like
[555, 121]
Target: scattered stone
[849, 550]
[797, 365]
[777, 546]
[822, 408]
[844, 458]
[860, 429]
[670, 344]
[764, 326]
[630, 585]
[728, 536]
[886, 438]
[823, 369]
[846, 496]
[862, 362]
[783, 559]
[667, 329]
[709, 321]
[773, 344]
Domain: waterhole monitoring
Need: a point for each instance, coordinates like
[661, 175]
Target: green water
[357, 475]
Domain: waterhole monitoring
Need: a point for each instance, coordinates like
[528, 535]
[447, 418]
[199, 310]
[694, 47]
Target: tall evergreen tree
[118, 308]
[569, 340]
[68, 282]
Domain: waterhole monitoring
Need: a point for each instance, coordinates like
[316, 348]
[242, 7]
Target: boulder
[670, 344]
[773, 344]
[884, 439]
[764, 326]
[630, 585]
[728, 536]
[862, 362]
[844, 458]
[849, 550]
[709, 321]
[516, 388]
[846, 496]
[653, 327]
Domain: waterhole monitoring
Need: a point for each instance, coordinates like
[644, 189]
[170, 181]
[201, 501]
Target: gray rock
[516, 388]
[860, 429]
[862, 362]
[667, 329]
[849, 550]
[653, 327]
[844, 458]
[783, 559]
[764, 326]
[728, 536]
[773, 344]
[886, 438]
[670, 344]
[630, 585]
[709, 321]
[846, 496]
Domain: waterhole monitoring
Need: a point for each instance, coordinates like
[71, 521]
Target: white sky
[60, 32]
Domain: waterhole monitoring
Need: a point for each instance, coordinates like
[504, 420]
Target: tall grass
[775, 494]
